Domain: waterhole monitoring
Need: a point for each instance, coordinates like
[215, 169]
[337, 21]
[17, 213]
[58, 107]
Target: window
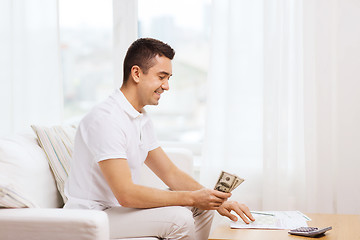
[86, 54]
[87, 60]
[184, 25]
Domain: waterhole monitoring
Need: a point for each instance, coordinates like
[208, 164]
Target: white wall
[332, 48]
[348, 105]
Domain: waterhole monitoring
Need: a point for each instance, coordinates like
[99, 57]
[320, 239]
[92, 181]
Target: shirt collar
[126, 105]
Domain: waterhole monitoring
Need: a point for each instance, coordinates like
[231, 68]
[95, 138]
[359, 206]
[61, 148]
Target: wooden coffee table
[345, 227]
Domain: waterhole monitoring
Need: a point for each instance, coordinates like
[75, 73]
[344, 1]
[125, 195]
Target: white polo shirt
[113, 129]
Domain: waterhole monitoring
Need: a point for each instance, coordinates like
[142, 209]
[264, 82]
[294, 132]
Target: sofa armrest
[52, 223]
[181, 157]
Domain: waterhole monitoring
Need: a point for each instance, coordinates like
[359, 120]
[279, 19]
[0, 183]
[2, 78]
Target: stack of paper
[274, 220]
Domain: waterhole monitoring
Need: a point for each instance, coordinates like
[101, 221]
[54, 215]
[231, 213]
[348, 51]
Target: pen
[262, 213]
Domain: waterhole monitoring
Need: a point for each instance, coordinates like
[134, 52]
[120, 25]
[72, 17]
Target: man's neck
[130, 95]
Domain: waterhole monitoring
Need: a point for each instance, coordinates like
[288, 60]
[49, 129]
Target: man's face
[155, 81]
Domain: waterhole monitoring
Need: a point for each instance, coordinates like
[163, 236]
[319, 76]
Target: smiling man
[117, 137]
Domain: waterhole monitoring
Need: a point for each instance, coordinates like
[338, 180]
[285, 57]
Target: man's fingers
[243, 210]
[221, 194]
[249, 215]
[232, 217]
[218, 200]
[244, 218]
[219, 197]
[214, 206]
[227, 213]
[247, 212]
[240, 209]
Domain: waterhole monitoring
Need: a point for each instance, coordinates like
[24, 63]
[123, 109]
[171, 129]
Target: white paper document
[274, 220]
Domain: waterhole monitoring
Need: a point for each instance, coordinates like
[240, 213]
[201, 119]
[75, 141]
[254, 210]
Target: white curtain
[125, 19]
[282, 103]
[30, 86]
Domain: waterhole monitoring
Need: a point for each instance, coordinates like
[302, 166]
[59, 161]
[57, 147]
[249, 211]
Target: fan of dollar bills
[228, 182]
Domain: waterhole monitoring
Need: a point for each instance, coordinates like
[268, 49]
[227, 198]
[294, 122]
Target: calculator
[309, 231]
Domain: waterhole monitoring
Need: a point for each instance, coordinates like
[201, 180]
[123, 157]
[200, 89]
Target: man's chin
[154, 103]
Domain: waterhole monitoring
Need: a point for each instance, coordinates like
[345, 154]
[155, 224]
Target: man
[117, 137]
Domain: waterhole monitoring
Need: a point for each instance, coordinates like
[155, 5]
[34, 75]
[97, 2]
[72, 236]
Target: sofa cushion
[53, 224]
[26, 179]
[58, 145]
[10, 197]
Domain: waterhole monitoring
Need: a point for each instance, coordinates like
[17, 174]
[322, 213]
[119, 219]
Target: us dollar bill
[238, 181]
[227, 182]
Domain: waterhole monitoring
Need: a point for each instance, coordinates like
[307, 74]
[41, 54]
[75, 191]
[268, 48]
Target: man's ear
[135, 73]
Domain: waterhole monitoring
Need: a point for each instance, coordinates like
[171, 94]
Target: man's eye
[162, 77]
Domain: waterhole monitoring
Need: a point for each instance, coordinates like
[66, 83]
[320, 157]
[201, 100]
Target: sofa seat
[25, 176]
[53, 223]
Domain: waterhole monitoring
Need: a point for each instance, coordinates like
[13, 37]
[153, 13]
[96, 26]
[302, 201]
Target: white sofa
[28, 183]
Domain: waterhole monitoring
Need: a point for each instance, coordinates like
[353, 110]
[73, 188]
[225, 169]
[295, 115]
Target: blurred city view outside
[86, 50]
[87, 61]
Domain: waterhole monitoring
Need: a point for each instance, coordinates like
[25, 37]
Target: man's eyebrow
[166, 73]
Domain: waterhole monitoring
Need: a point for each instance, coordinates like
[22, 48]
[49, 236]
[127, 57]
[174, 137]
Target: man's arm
[176, 179]
[118, 175]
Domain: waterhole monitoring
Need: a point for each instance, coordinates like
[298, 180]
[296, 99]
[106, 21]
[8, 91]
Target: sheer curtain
[30, 90]
[233, 139]
[277, 103]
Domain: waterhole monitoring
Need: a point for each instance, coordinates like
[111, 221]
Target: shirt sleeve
[152, 139]
[105, 139]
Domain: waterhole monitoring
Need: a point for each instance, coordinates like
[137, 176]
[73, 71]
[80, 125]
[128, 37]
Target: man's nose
[165, 85]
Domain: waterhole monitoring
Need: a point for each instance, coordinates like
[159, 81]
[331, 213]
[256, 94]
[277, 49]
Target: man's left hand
[241, 209]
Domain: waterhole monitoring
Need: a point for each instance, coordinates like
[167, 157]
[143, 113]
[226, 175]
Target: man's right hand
[208, 199]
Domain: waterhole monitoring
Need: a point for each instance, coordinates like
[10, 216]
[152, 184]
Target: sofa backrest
[25, 172]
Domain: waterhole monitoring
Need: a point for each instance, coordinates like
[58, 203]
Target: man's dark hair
[142, 53]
